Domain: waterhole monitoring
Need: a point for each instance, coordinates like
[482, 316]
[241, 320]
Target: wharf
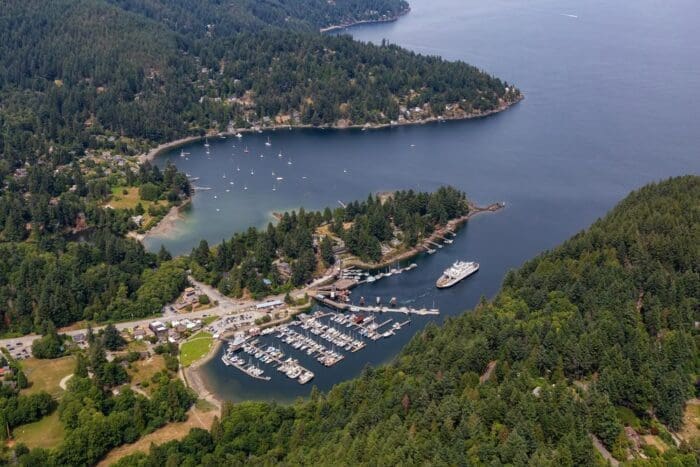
[375, 309]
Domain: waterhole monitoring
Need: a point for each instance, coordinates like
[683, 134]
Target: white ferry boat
[455, 273]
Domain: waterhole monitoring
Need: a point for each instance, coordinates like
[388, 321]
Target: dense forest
[596, 337]
[250, 258]
[124, 74]
[54, 273]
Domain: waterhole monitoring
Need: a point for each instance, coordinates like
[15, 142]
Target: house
[159, 329]
[80, 339]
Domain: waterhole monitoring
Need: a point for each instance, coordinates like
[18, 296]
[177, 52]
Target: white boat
[268, 143]
[289, 162]
[371, 279]
[206, 142]
[455, 273]
[239, 136]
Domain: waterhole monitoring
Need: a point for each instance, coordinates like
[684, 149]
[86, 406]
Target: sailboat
[289, 162]
[252, 172]
[280, 155]
[238, 169]
[206, 142]
[246, 149]
[274, 187]
[268, 142]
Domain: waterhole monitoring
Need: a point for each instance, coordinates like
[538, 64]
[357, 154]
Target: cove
[611, 99]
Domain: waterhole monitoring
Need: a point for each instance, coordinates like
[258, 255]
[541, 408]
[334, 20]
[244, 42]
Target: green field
[46, 433]
[46, 375]
[195, 348]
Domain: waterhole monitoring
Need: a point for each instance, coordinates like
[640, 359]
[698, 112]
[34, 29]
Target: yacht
[455, 273]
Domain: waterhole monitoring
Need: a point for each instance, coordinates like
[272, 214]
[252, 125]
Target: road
[225, 306]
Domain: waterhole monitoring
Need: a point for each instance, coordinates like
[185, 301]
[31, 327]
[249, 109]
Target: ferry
[455, 273]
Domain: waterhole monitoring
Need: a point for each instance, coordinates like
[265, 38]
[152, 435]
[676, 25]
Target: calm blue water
[612, 97]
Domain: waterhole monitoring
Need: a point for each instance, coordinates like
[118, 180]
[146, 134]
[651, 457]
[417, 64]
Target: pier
[375, 309]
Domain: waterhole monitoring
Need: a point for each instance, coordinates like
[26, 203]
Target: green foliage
[248, 257]
[149, 192]
[112, 339]
[582, 313]
[48, 346]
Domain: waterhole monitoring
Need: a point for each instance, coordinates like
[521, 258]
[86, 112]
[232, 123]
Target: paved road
[225, 306]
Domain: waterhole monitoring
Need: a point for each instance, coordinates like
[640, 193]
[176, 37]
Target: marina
[326, 337]
[558, 169]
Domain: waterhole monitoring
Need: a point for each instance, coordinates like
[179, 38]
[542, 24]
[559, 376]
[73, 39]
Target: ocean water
[612, 93]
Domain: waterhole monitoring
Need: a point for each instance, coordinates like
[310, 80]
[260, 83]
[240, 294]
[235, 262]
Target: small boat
[431, 251]
[239, 136]
[252, 172]
[245, 187]
[268, 142]
[280, 178]
[238, 169]
[206, 142]
[280, 155]
[289, 162]
[246, 149]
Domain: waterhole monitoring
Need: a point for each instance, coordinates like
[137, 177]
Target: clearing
[46, 375]
[142, 371]
[46, 433]
[199, 416]
[195, 348]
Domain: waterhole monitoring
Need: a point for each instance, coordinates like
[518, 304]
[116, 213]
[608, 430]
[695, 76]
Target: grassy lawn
[209, 319]
[46, 433]
[119, 200]
[195, 348]
[45, 375]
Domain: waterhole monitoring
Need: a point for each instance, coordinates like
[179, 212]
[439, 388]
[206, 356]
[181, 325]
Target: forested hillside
[592, 338]
[125, 74]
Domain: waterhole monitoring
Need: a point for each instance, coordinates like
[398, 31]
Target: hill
[122, 75]
[595, 338]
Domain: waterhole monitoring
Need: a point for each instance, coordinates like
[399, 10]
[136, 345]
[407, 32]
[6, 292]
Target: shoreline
[165, 225]
[193, 376]
[160, 149]
[336, 27]
[452, 224]
[194, 379]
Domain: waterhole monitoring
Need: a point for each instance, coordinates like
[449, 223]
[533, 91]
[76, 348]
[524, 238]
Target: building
[271, 304]
[159, 329]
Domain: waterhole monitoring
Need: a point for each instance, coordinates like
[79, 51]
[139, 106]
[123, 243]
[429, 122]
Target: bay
[612, 95]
